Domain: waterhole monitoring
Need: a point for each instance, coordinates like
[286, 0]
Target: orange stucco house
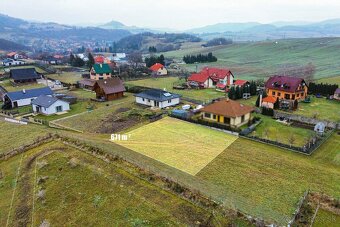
[287, 88]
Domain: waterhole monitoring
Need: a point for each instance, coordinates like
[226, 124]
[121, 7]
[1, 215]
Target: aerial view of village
[170, 113]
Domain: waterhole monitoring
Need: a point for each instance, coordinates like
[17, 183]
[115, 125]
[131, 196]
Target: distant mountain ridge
[7, 45]
[22, 31]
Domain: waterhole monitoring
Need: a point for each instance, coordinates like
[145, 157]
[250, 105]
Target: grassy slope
[16, 135]
[272, 180]
[260, 59]
[330, 80]
[178, 143]
[91, 193]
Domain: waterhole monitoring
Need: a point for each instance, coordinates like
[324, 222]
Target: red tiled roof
[198, 77]
[220, 85]
[99, 59]
[269, 99]
[284, 83]
[156, 67]
[240, 82]
[228, 108]
[11, 54]
[216, 73]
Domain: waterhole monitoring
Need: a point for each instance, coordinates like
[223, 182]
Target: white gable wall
[150, 102]
[53, 108]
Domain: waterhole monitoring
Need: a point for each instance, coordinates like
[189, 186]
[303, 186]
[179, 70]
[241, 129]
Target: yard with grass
[179, 144]
[67, 77]
[9, 87]
[268, 182]
[203, 95]
[270, 129]
[320, 108]
[60, 185]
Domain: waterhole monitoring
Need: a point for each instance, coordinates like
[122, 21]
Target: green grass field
[261, 59]
[268, 181]
[330, 80]
[321, 108]
[273, 130]
[179, 144]
[15, 135]
[67, 77]
[39, 70]
[326, 218]
[79, 189]
[202, 94]
[8, 86]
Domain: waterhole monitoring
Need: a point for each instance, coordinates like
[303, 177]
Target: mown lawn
[268, 181]
[167, 83]
[80, 189]
[179, 144]
[271, 129]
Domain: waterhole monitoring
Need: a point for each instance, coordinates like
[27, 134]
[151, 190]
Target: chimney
[24, 91]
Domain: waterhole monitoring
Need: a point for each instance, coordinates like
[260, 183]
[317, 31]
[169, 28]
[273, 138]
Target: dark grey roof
[24, 74]
[157, 95]
[27, 94]
[45, 101]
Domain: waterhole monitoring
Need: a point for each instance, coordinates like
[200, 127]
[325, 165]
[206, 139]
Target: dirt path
[23, 211]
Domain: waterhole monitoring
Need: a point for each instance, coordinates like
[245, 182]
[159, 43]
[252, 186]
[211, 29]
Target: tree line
[201, 58]
[150, 61]
[322, 89]
[236, 92]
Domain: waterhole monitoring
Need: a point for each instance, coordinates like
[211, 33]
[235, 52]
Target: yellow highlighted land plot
[183, 145]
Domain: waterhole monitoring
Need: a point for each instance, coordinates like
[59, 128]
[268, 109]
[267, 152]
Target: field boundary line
[13, 194]
[34, 187]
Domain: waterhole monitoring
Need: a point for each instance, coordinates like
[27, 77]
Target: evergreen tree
[91, 61]
[71, 59]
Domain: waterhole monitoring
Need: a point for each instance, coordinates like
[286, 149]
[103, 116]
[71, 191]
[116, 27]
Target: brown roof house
[227, 112]
[109, 89]
[87, 84]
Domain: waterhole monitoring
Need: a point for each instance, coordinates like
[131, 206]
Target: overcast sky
[177, 14]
